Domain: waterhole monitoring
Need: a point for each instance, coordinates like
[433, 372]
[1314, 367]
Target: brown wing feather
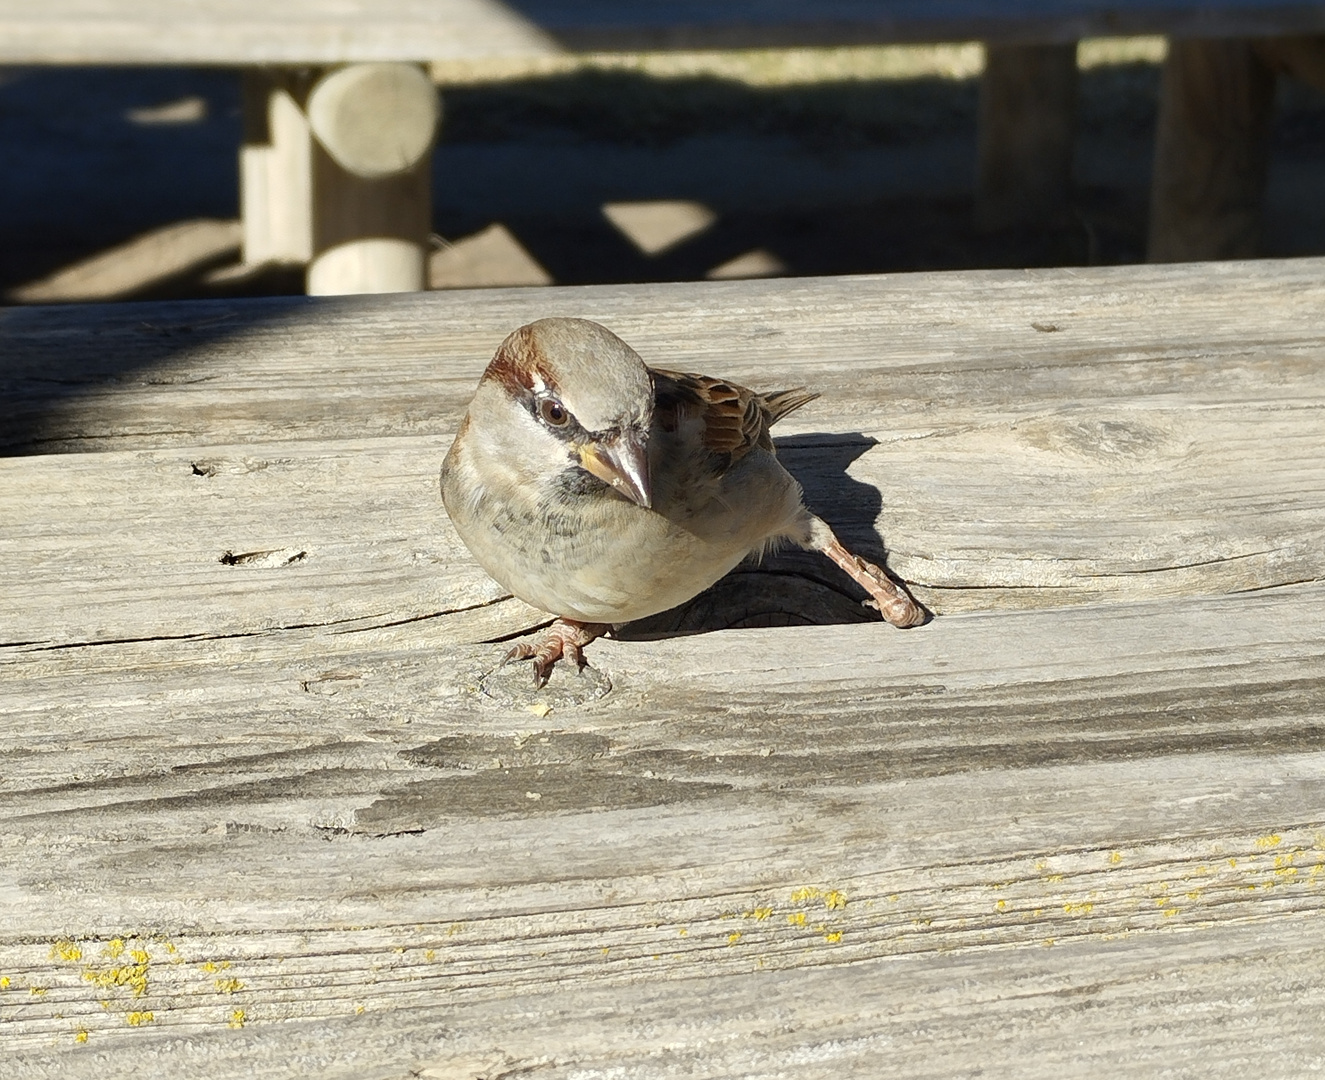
[735, 419]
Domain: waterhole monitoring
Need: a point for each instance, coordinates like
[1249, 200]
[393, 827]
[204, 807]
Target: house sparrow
[602, 490]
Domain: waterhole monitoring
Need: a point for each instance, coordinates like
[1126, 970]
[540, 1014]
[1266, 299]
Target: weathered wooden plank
[1162, 1007]
[249, 32]
[312, 31]
[302, 825]
[920, 346]
[1002, 466]
[1002, 511]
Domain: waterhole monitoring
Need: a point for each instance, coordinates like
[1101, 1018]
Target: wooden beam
[1211, 152]
[1027, 134]
[246, 32]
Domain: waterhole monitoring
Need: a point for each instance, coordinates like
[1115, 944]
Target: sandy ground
[798, 162]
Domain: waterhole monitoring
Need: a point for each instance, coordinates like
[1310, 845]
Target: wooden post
[335, 174]
[1027, 126]
[373, 128]
[275, 178]
[1211, 152]
[1298, 57]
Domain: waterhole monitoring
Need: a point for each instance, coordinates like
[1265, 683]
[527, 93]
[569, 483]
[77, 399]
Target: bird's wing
[735, 419]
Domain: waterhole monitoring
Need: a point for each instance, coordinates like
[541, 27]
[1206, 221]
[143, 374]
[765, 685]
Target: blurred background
[123, 183]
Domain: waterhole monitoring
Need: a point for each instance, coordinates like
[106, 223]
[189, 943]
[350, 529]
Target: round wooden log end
[375, 120]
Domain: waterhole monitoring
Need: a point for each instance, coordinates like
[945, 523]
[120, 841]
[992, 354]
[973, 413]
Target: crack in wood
[494, 602]
[264, 632]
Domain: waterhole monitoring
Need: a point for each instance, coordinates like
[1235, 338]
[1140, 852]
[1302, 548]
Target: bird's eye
[553, 412]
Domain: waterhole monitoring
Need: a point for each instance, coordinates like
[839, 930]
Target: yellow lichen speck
[759, 913]
[1115, 857]
[237, 1019]
[1269, 841]
[138, 1019]
[66, 950]
[133, 976]
[835, 900]
[833, 937]
[796, 918]
[733, 937]
[114, 947]
[80, 1036]
[228, 986]
[4, 982]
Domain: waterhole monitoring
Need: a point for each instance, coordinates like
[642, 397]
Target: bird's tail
[782, 402]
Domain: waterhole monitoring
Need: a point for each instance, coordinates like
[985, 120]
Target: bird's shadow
[792, 587]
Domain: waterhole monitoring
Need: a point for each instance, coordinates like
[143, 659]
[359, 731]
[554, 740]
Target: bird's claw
[888, 598]
[563, 640]
[902, 612]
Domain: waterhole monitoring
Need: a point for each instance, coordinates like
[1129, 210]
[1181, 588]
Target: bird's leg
[890, 599]
[564, 639]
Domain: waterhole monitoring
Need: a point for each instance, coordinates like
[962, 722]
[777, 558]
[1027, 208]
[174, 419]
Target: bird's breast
[576, 549]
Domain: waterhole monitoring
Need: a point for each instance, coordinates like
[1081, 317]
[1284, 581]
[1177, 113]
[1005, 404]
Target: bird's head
[569, 394]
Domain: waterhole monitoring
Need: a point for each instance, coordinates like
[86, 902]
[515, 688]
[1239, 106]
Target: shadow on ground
[791, 587]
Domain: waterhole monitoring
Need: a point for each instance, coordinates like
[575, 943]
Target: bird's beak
[622, 462]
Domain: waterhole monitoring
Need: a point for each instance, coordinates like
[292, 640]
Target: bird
[603, 490]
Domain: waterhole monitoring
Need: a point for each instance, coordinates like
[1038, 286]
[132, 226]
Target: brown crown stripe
[516, 362]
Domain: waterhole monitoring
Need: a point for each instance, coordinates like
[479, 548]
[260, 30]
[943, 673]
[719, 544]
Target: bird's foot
[890, 599]
[565, 639]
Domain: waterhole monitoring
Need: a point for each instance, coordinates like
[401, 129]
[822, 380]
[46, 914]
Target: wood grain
[271, 806]
[299, 825]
